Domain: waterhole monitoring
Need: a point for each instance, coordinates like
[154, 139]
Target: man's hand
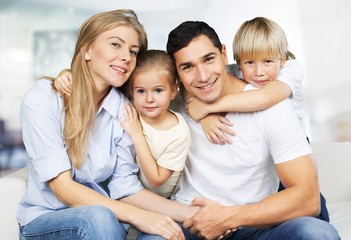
[211, 221]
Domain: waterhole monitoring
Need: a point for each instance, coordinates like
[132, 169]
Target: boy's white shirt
[292, 75]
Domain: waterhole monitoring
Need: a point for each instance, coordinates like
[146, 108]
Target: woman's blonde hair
[80, 109]
[260, 37]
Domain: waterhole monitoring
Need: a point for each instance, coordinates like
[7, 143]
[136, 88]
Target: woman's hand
[158, 224]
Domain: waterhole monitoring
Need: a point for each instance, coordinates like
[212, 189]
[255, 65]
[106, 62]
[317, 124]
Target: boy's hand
[215, 126]
[196, 109]
[63, 82]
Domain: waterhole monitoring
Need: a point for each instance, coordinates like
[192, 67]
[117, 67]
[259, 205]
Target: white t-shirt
[292, 75]
[242, 172]
[169, 148]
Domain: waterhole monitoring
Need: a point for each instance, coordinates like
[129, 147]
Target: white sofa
[334, 166]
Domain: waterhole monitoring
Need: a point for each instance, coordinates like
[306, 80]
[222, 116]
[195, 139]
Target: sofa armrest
[334, 169]
[12, 188]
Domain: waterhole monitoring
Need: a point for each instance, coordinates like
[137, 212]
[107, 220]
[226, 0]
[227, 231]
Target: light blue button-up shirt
[110, 151]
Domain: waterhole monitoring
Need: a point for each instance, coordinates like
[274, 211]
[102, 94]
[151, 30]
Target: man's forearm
[275, 209]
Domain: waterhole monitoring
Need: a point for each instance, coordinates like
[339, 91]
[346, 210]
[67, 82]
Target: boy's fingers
[225, 121]
[224, 139]
[228, 131]
[217, 139]
[209, 138]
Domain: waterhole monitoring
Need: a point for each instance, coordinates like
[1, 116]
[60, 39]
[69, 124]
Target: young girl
[161, 137]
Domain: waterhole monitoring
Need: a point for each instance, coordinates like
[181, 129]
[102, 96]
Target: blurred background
[37, 37]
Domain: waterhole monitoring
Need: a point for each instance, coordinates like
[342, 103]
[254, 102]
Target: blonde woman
[82, 181]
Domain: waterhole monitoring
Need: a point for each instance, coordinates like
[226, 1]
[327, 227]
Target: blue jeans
[88, 223]
[145, 236]
[303, 228]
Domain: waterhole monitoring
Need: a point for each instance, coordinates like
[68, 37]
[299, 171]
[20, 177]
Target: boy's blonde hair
[260, 37]
[80, 110]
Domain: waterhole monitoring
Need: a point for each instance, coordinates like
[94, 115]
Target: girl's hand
[215, 126]
[131, 123]
[63, 82]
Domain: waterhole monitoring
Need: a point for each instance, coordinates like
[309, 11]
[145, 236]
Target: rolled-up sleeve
[124, 181]
[41, 118]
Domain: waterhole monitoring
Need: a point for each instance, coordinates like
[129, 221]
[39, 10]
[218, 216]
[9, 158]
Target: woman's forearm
[153, 202]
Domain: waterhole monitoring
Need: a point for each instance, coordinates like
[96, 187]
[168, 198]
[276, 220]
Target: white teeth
[208, 85]
[118, 69]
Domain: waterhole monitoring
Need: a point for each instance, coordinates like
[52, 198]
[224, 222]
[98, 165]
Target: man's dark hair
[182, 35]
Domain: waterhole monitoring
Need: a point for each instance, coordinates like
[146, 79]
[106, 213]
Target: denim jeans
[88, 223]
[144, 236]
[303, 228]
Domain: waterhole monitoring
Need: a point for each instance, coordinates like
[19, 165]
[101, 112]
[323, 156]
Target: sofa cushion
[334, 165]
[12, 188]
[340, 217]
[333, 160]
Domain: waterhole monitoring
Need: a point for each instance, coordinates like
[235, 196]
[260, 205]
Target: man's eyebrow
[209, 54]
[184, 64]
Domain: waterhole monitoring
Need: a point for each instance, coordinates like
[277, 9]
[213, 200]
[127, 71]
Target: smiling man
[236, 185]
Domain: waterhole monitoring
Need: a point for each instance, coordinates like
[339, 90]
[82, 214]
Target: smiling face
[201, 68]
[260, 70]
[112, 57]
[152, 92]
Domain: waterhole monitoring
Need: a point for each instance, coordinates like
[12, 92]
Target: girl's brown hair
[153, 59]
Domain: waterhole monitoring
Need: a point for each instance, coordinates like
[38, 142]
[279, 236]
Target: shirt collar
[112, 102]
